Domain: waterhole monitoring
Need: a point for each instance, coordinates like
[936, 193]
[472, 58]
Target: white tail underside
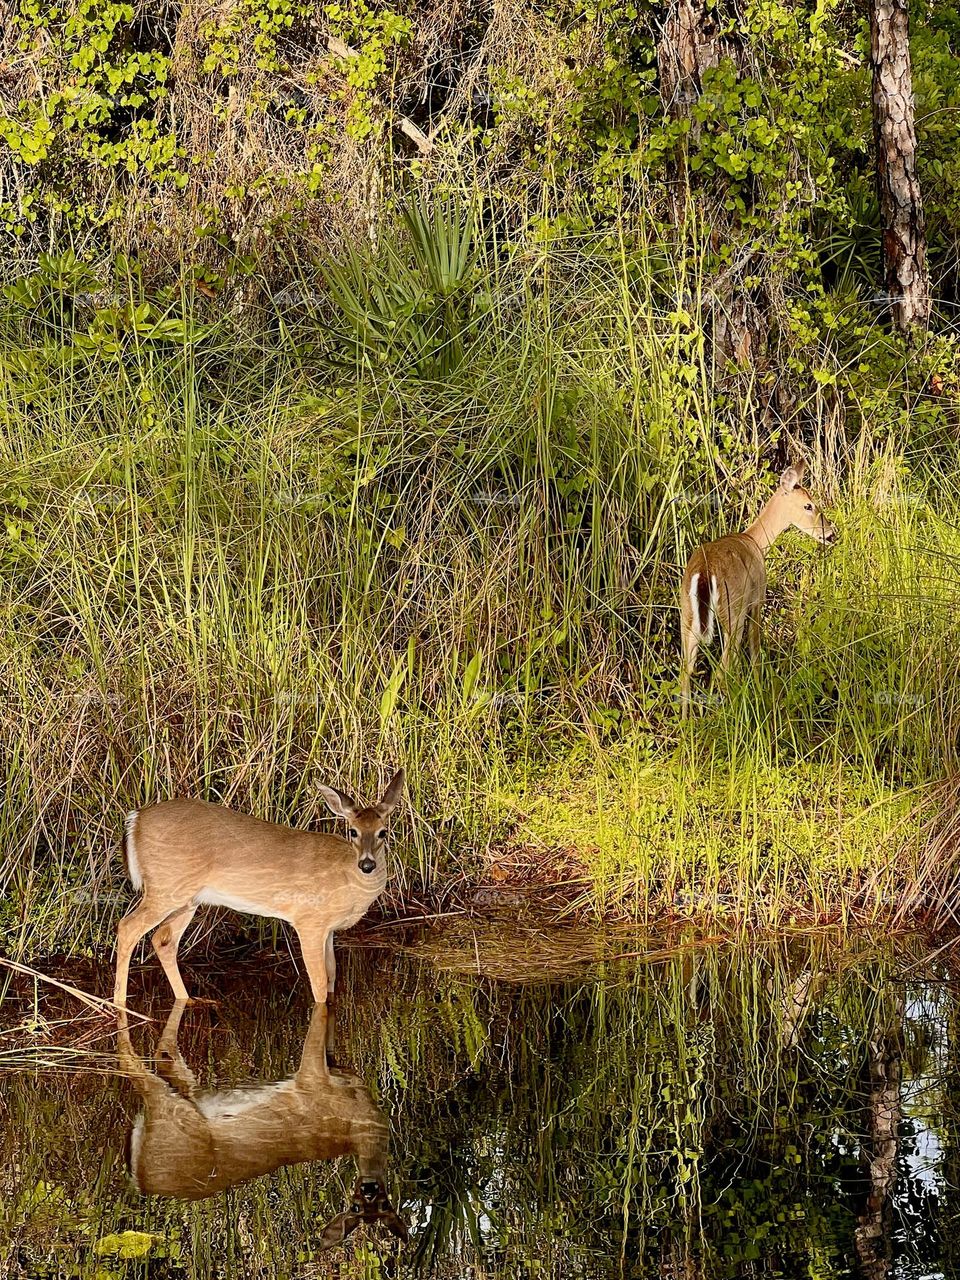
[136, 1140]
[706, 636]
[133, 866]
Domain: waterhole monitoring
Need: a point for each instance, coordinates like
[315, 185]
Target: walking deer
[189, 1143]
[186, 853]
[725, 581]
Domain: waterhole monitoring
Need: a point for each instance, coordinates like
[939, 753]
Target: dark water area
[531, 1108]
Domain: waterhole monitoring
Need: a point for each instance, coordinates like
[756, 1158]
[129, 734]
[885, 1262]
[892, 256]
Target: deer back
[188, 850]
[732, 570]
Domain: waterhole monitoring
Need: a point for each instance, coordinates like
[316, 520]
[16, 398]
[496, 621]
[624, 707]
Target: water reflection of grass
[699, 1115]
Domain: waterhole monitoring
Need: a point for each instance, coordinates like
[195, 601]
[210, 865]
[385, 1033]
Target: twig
[927, 959]
[96, 1003]
[437, 915]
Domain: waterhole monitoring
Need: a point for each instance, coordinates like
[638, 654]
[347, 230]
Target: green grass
[244, 554]
[752, 844]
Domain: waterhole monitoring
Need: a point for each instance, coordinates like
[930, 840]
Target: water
[773, 1110]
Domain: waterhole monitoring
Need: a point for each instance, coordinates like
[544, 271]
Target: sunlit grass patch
[743, 841]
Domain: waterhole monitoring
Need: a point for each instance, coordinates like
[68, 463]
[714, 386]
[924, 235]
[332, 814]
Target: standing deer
[726, 581]
[190, 1143]
[186, 853]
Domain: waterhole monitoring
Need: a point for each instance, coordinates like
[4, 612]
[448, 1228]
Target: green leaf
[470, 676]
[388, 701]
[126, 1244]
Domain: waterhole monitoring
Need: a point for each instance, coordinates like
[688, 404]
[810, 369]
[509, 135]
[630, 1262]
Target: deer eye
[353, 833]
[382, 835]
[808, 506]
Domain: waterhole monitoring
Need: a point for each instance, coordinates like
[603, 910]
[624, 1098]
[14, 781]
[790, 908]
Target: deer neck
[372, 1162]
[769, 524]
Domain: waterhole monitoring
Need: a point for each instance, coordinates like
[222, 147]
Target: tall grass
[439, 521]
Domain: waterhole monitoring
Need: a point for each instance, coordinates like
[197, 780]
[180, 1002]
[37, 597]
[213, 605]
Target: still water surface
[787, 1109]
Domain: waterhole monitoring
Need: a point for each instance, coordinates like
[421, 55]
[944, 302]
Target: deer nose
[367, 865]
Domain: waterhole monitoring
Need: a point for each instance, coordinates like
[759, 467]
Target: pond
[552, 1105]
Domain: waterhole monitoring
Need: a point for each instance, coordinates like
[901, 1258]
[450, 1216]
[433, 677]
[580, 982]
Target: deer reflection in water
[190, 1143]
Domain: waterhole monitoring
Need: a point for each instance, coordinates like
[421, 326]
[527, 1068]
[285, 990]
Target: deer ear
[391, 797]
[338, 1228]
[792, 477]
[339, 803]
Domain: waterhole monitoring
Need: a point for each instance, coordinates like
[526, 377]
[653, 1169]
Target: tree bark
[881, 1146]
[689, 44]
[901, 209]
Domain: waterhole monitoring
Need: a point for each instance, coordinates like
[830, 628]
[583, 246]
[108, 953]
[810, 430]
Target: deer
[183, 854]
[190, 1143]
[725, 581]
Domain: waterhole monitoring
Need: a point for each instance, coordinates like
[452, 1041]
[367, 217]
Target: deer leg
[753, 633]
[331, 962]
[167, 1044]
[732, 639]
[316, 1059]
[144, 917]
[170, 1063]
[166, 940]
[131, 1064]
[313, 945]
[689, 646]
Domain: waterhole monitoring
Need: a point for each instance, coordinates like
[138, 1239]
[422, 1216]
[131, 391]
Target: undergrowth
[428, 505]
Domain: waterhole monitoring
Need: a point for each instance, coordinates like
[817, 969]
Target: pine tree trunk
[901, 209]
[689, 45]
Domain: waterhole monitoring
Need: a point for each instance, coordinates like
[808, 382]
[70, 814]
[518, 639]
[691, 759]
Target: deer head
[797, 507]
[366, 827]
[369, 1204]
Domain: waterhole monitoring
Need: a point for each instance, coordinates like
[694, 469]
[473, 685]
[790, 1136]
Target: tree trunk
[881, 1146]
[689, 45]
[901, 209]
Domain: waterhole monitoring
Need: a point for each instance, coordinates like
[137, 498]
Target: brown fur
[729, 577]
[186, 853]
[192, 1143]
